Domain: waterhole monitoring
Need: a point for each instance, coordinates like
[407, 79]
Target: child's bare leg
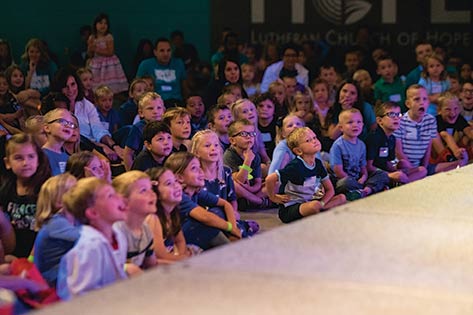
[448, 166]
[336, 200]
[416, 173]
[243, 193]
[309, 208]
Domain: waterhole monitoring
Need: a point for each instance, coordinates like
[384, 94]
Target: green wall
[58, 23]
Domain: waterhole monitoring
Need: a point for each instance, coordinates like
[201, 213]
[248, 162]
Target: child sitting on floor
[300, 180]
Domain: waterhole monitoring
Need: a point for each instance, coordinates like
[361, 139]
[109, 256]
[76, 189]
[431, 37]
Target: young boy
[58, 126]
[108, 116]
[245, 164]
[266, 121]
[381, 146]
[329, 74]
[220, 117]
[98, 257]
[178, 120]
[196, 108]
[150, 108]
[158, 146]
[352, 63]
[226, 99]
[136, 188]
[454, 130]
[466, 96]
[129, 109]
[348, 160]
[389, 87]
[416, 134]
[301, 178]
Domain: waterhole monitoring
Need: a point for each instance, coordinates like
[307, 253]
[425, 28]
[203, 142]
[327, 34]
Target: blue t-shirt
[55, 238]
[128, 112]
[112, 121]
[167, 78]
[224, 188]
[135, 137]
[57, 161]
[352, 156]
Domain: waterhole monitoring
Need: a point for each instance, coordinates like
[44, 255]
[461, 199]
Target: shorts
[431, 169]
[290, 213]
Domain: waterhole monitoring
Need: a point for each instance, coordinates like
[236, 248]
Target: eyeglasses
[467, 91]
[290, 55]
[65, 123]
[393, 115]
[246, 134]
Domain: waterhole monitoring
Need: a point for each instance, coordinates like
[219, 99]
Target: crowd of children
[154, 180]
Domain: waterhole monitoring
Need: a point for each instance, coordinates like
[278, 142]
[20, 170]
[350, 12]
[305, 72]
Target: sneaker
[354, 195]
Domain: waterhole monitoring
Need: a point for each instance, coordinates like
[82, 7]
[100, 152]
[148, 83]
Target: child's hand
[32, 66]
[280, 198]
[111, 155]
[119, 151]
[236, 232]
[300, 113]
[248, 156]
[362, 179]
[399, 177]
[459, 154]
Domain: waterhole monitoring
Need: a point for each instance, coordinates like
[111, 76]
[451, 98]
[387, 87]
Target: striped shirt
[416, 137]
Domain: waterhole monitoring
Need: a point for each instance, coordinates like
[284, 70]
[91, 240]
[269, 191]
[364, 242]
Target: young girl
[244, 108]
[282, 154]
[200, 226]
[278, 91]
[86, 77]
[87, 164]
[218, 178]
[15, 79]
[136, 188]
[38, 68]
[169, 243]
[104, 64]
[434, 79]
[8, 111]
[303, 107]
[320, 91]
[58, 230]
[251, 87]
[27, 169]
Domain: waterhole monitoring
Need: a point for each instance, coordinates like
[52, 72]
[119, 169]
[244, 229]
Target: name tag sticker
[383, 152]
[266, 137]
[395, 98]
[166, 88]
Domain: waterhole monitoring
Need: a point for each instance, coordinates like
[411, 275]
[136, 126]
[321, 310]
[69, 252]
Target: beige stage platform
[405, 251]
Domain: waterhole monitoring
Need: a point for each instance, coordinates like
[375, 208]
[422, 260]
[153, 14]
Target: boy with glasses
[245, 165]
[381, 146]
[466, 96]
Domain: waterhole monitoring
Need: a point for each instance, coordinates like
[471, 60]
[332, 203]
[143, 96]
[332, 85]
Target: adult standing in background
[287, 67]
[169, 73]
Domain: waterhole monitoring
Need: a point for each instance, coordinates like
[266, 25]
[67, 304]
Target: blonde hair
[102, 91]
[300, 95]
[52, 114]
[447, 97]
[347, 111]
[279, 130]
[83, 196]
[197, 141]
[33, 123]
[294, 138]
[147, 98]
[123, 183]
[81, 71]
[50, 197]
[39, 44]
[414, 87]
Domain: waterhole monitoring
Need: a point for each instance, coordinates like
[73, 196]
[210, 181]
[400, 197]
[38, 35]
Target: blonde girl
[303, 107]
[169, 244]
[200, 226]
[218, 178]
[278, 91]
[282, 154]
[245, 108]
[57, 228]
[434, 79]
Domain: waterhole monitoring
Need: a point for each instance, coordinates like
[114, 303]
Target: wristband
[246, 168]
[322, 203]
[229, 227]
[31, 258]
[113, 145]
